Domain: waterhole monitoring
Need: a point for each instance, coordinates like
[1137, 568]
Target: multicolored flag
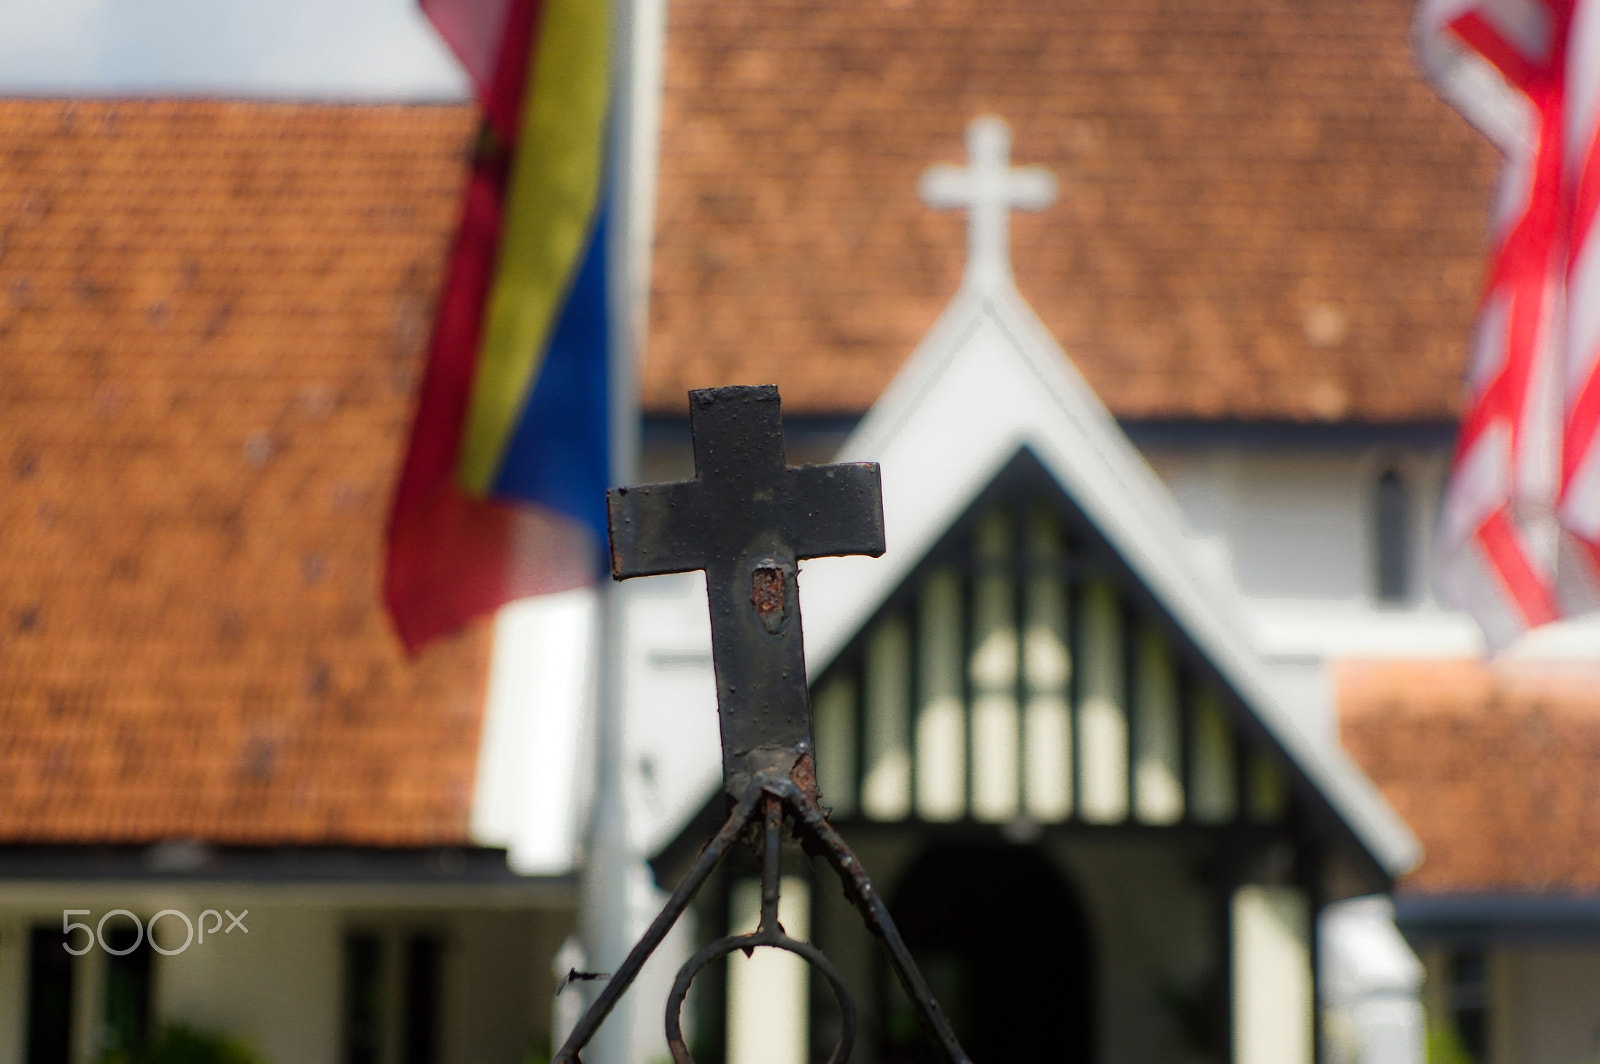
[1520, 529]
[503, 489]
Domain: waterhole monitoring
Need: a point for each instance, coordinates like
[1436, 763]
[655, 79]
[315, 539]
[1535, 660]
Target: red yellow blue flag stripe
[502, 492]
[554, 199]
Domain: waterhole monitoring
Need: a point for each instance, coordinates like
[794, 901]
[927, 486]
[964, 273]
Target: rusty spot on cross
[766, 594]
[748, 518]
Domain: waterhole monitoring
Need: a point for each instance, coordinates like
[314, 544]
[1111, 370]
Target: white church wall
[1290, 527]
[672, 742]
[277, 989]
[1546, 1010]
[530, 789]
[1298, 527]
[494, 967]
[13, 988]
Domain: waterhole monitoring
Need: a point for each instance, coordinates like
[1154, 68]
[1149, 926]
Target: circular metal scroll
[775, 938]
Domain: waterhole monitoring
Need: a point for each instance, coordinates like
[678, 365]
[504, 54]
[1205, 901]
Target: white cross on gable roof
[989, 188]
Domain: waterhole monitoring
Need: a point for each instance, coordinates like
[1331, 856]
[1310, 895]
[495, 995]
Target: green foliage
[178, 1044]
[1444, 1046]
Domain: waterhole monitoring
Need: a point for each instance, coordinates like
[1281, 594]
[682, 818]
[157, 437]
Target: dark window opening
[49, 997]
[420, 1012]
[1014, 973]
[128, 970]
[1469, 1002]
[393, 994]
[1391, 525]
[363, 999]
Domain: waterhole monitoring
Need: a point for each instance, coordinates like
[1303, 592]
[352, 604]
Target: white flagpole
[604, 918]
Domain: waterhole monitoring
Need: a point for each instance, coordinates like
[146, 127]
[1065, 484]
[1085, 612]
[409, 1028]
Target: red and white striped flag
[1520, 531]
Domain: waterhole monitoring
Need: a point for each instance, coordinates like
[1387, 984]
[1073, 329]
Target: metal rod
[872, 908]
[624, 976]
[773, 808]
[776, 939]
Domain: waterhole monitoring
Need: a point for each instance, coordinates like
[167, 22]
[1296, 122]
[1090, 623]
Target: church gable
[1022, 675]
[986, 383]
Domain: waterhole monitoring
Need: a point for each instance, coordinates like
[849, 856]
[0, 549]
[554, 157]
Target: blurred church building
[1148, 725]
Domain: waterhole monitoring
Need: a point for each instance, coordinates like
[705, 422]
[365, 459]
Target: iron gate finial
[748, 518]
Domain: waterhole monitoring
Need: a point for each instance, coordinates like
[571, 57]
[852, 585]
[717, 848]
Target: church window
[1391, 530]
[363, 998]
[393, 996]
[127, 988]
[1469, 1001]
[419, 1012]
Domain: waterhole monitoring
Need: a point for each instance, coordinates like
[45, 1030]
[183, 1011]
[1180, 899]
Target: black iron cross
[746, 519]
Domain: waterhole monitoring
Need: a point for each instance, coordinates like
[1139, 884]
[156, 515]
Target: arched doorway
[1005, 947]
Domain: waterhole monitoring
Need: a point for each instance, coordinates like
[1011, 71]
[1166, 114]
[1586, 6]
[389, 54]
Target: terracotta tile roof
[1264, 212]
[1497, 769]
[211, 320]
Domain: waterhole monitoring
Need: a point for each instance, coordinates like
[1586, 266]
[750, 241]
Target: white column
[1157, 773]
[1046, 672]
[886, 779]
[297, 950]
[834, 716]
[1215, 795]
[941, 748]
[1272, 985]
[993, 672]
[88, 1005]
[768, 1014]
[1102, 709]
[1267, 792]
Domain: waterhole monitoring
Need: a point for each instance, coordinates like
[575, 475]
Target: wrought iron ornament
[747, 519]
